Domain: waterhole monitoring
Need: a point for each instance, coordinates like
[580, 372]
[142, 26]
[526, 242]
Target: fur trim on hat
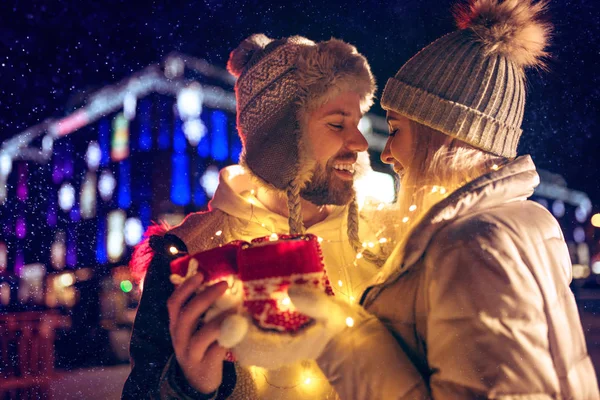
[512, 28]
[329, 68]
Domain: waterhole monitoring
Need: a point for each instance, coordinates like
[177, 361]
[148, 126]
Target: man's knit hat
[279, 83]
[470, 84]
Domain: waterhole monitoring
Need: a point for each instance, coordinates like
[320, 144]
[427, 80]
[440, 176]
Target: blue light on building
[124, 191]
[180, 182]
[101, 255]
[220, 147]
[145, 118]
[104, 141]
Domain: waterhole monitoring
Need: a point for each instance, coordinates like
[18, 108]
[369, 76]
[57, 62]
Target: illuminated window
[115, 244]
[87, 198]
[581, 214]
[93, 156]
[133, 231]
[579, 235]
[31, 285]
[106, 185]
[194, 130]
[4, 293]
[58, 251]
[120, 139]
[558, 208]
[66, 196]
[189, 102]
[210, 180]
[3, 257]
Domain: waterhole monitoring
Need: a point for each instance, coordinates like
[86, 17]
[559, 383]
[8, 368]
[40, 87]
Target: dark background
[54, 52]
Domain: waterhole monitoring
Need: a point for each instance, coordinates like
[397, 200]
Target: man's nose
[355, 141]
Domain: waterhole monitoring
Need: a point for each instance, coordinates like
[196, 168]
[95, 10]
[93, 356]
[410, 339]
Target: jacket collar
[515, 181]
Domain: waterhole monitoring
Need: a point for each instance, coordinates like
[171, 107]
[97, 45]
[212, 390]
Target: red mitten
[268, 267]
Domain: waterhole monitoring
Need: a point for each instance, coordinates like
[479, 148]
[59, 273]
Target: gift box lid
[214, 264]
[284, 256]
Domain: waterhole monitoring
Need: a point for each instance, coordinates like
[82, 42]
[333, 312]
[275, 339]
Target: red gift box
[267, 267]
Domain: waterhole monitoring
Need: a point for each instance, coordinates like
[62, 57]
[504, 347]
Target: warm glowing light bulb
[66, 279]
[596, 220]
[405, 219]
[319, 239]
[383, 240]
[307, 380]
[443, 190]
[359, 256]
[434, 189]
[273, 237]
[340, 283]
[352, 299]
[286, 301]
[173, 250]
[218, 233]
[495, 167]
[350, 322]
[371, 244]
[412, 208]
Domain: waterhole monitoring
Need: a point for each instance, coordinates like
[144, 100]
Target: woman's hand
[198, 354]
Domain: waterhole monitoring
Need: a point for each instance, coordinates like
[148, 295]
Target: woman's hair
[440, 165]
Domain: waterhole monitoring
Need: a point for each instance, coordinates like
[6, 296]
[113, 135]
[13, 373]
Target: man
[298, 108]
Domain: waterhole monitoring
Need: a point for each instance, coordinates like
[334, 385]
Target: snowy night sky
[54, 52]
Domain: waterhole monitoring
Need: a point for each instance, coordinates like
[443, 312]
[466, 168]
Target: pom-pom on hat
[470, 84]
[279, 83]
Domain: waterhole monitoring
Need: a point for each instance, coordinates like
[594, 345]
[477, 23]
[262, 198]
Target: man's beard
[326, 188]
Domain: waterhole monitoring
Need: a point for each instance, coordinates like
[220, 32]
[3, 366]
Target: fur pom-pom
[239, 58]
[512, 28]
[143, 253]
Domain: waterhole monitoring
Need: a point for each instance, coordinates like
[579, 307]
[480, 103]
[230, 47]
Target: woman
[476, 296]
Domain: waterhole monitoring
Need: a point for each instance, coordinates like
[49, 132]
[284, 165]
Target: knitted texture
[470, 84]
[268, 268]
[279, 83]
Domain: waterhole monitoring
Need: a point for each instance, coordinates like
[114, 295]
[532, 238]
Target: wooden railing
[27, 353]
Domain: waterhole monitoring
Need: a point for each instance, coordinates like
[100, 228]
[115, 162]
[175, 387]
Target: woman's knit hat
[470, 84]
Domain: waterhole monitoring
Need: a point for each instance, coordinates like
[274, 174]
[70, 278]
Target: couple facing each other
[473, 301]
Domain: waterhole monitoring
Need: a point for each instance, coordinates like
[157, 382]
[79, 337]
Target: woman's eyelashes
[393, 132]
[337, 127]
